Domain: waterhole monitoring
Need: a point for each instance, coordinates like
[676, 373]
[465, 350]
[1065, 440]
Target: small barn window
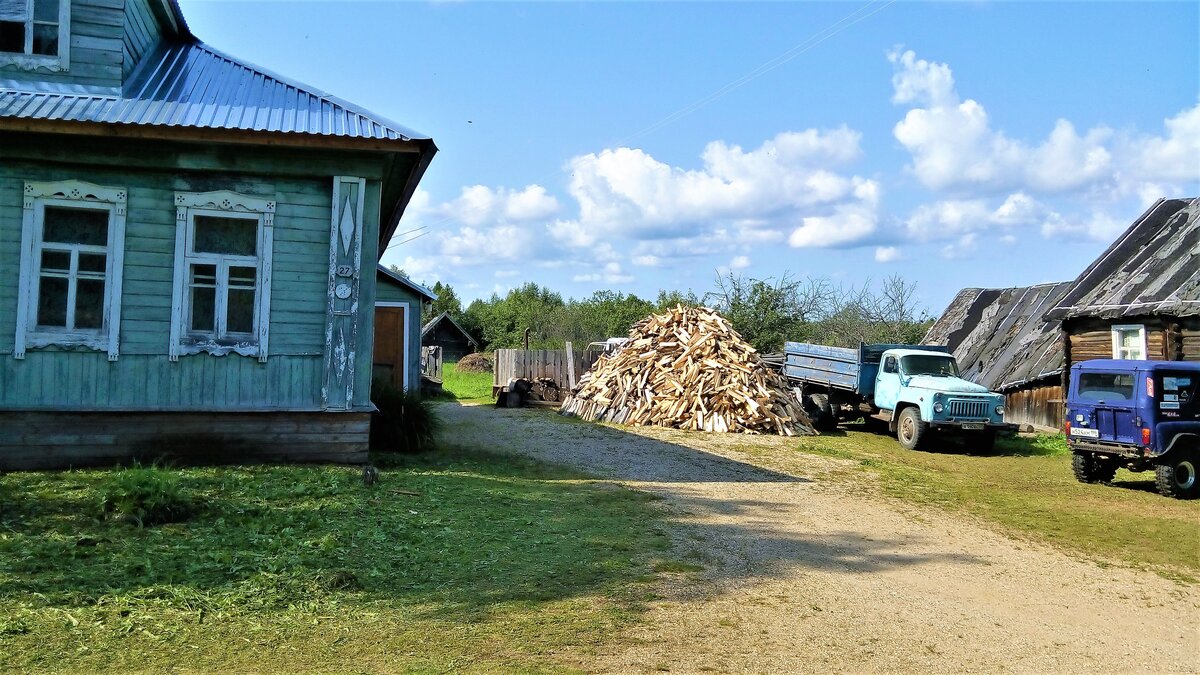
[222, 294]
[1129, 342]
[72, 250]
[35, 33]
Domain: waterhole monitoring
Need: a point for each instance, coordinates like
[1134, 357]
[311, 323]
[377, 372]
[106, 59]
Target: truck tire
[1177, 477]
[1090, 469]
[910, 429]
[823, 417]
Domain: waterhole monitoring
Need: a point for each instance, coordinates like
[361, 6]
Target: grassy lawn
[466, 387]
[455, 561]
[1027, 487]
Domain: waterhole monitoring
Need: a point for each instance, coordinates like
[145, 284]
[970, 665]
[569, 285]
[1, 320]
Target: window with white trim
[35, 33]
[72, 252]
[1129, 342]
[222, 294]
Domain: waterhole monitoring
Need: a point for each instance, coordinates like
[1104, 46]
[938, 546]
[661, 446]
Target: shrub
[404, 422]
[475, 363]
[146, 496]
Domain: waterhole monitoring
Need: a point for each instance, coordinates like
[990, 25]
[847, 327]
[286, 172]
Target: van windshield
[1176, 395]
[929, 365]
[1109, 387]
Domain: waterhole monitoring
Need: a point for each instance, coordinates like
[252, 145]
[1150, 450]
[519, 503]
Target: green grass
[495, 564]
[465, 387]
[1027, 487]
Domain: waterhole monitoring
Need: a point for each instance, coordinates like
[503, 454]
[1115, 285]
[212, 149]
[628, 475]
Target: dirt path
[802, 571]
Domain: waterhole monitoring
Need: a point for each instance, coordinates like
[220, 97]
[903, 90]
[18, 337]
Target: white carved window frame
[1120, 351]
[70, 194]
[46, 62]
[222, 203]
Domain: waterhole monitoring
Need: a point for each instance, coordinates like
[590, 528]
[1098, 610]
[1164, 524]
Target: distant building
[398, 303]
[443, 331]
[1139, 300]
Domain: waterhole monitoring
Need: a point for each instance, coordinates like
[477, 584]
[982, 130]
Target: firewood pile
[688, 369]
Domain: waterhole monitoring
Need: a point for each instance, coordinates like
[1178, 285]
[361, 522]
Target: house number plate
[345, 271]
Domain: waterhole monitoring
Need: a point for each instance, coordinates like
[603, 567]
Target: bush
[404, 422]
[475, 363]
[145, 496]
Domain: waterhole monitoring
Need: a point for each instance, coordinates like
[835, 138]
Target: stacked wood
[688, 369]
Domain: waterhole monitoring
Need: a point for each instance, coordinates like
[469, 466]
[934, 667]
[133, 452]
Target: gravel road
[806, 571]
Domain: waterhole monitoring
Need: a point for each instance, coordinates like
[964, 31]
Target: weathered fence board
[533, 364]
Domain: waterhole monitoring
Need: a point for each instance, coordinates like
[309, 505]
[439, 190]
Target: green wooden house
[188, 245]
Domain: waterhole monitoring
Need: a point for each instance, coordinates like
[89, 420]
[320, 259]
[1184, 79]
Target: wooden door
[390, 325]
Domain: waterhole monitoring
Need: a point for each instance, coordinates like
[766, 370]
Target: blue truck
[915, 389]
[1140, 415]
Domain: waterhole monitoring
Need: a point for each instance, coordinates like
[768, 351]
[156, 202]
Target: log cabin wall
[1189, 339]
[1092, 338]
[1040, 406]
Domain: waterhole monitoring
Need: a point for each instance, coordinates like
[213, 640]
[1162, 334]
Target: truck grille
[960, 409]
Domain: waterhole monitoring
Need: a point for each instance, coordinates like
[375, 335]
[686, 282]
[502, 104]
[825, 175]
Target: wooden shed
[1141, 298]
[443, 331]
[1002, 340]
[398, 303]
[187, 246]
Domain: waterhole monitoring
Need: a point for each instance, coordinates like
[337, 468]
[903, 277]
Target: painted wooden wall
[141, 33]
[387, 290]
[143, 378]
[97, 47]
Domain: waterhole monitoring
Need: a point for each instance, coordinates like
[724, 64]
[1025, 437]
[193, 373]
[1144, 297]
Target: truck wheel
[1090, 469]
[1177, 478]
[910, 430]
[823, 417]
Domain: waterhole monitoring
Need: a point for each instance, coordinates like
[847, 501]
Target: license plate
[1085, 433]
[973, 426]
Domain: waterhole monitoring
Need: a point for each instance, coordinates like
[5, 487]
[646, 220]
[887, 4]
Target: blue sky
[600, 145]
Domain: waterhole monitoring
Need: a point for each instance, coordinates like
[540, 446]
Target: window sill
[214, 347]
[67, 339]
[33, 62]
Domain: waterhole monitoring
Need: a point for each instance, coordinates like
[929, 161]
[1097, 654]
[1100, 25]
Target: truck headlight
[1000, 410]
[938, 408]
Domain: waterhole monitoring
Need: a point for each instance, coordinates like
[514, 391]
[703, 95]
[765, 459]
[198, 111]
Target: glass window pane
[204, 303]
[12, 37]
[234, 236]
[75, 226]
[92, 263]
[241, 311]
[52, 302]
[45, 39]
[56, 261]
[45, 10]
[242, 277]
[89, 303]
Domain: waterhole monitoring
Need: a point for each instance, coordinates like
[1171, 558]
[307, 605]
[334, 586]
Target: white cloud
[610, 274]
[954, 147]
[850, 223]
[646, 260]
[1097, 226]
[740, 262]
[885, 254]
[965, 245]
[480, 205]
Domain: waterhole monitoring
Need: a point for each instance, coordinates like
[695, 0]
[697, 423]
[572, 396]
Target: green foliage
[453, 561]
[404, 423]
[447, 301]
[463, 386]
[149, 495]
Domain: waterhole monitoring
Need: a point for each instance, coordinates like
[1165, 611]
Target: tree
[447, 301]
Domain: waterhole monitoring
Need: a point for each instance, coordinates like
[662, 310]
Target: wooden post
[341, 321]
[570, 366]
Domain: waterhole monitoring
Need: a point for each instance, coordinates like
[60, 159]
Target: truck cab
[920, 392]
[1139, 415]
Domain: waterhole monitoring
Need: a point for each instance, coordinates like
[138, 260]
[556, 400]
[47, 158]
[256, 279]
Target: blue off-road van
[1141, 415]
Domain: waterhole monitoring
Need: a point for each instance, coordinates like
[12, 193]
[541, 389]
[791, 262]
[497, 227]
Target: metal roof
[1153, 268]
[406, 282]
[1000, 337]
[186, 83]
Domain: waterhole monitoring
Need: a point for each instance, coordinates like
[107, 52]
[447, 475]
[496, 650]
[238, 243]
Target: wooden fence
[431, 362]
[533, 364]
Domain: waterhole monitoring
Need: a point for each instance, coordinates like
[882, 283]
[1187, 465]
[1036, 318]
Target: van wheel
[1177, 478]
[910, 429]
[823, 418]
[1090, 469]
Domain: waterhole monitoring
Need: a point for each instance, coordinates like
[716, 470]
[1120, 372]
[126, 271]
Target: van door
[1113, 400]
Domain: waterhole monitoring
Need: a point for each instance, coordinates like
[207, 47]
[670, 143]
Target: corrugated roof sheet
[1153, 268]
[189, 84]
[1000, 337]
